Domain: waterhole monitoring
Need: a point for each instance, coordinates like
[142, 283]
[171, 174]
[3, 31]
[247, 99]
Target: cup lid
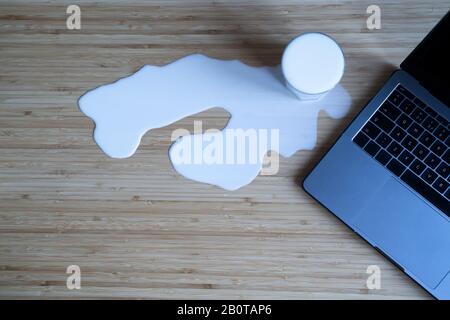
[313, 63]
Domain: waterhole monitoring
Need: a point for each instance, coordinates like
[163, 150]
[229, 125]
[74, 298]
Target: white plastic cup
[312, 64]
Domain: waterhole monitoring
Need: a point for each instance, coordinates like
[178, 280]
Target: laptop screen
[429, 63]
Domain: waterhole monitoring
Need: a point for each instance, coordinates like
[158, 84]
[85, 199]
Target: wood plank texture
[135, 227]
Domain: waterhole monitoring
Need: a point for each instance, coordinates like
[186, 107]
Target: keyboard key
[438, 147]
[417, 166]
[371, 130]
[407, 106]
[442, 120]
[446, 156]
[427, 139]
[406, 157]
[447, 142]
[405, 92]
[372, 148]
[384, 140]
[388, 109]
[431, 112]
[432, 160]
[404, 121]
[420, 103]
[398, 134]
[426, 191]
[361, 139]
[395, 167]
[395, 149]
[382, 122]
[440, 185]
[421, 151]
[447, 194]
[415, 130]
[430, 124]
[409, 142]
[383, 157]
[441, 133]
[443, 170]
[429, 175]
[396, 97]
[418, 115]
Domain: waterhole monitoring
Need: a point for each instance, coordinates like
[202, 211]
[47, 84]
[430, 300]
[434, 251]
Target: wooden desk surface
[135, 227]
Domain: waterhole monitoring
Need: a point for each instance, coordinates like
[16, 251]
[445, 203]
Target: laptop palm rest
[405, 227]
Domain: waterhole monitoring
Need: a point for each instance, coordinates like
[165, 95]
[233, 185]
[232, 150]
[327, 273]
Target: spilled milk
[256, 98]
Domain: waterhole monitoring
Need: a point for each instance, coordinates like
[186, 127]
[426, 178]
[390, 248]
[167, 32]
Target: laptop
[387, 175]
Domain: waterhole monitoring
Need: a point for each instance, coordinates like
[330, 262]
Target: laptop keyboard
[412, 141]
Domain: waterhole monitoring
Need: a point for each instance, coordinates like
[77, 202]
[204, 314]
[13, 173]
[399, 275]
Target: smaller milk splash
[265, 116]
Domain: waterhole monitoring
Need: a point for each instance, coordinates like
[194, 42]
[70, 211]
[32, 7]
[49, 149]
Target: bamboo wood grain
[134, 226]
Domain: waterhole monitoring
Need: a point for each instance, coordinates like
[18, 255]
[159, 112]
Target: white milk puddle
[256, 98]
